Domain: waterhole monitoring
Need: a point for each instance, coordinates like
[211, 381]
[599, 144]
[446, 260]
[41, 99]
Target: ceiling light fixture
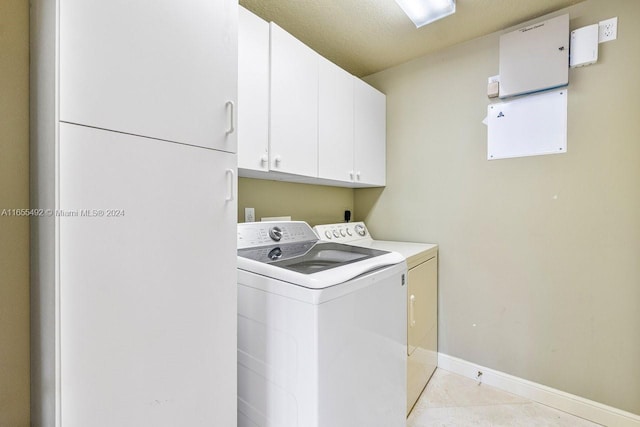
[423, 12]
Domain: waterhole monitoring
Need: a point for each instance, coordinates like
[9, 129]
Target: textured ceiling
[366, 36]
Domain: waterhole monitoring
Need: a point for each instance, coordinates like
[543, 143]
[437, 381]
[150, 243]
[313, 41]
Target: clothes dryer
[422, 298]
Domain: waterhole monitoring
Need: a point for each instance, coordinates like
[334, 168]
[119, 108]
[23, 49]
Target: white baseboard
[570, 403]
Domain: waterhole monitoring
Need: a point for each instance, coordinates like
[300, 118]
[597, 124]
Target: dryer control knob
[361, 230]
[275, 233]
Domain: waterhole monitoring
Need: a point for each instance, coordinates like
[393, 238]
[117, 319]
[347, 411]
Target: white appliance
[321, 330]
[422, 298]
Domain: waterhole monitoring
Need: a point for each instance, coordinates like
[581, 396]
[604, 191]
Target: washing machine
[322, 340]
[422, 298]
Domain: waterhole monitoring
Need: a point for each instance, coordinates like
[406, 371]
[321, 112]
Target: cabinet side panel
[43, 119]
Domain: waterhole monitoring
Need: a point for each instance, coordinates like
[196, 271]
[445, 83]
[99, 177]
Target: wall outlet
[608, 30]
[249, 215]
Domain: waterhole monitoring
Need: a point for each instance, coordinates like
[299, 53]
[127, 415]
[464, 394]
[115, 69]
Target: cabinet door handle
[232, 120]
[277, 160]
[412, 319]
[351, 175]
[264, 159]
[358, 175]
[231, 178]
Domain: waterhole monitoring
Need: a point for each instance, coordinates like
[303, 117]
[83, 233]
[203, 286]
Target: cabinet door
[147, 294]
[165, 69]
[253, 91]
[293, 139]
[370, 134]
[335, 123]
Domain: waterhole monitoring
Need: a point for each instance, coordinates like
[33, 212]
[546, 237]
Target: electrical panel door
[535, 57]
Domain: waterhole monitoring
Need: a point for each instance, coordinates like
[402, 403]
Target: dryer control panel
[343, 232]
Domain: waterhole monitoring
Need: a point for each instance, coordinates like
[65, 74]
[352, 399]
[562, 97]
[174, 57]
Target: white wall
[539, 256]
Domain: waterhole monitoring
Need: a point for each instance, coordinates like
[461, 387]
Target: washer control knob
[328, 234]
[342, 233]
[336, 234]
[361, 230]
[349, 233]
[275, 254]
[275, 233]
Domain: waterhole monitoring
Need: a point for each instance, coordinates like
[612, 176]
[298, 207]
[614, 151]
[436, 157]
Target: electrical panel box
[535, 58]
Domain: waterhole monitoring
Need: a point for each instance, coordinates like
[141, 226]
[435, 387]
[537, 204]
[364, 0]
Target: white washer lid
[324, 278]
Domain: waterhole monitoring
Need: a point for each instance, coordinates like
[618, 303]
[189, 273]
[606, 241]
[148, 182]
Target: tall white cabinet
[133, 256]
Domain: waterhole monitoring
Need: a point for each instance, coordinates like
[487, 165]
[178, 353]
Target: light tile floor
[453, 400]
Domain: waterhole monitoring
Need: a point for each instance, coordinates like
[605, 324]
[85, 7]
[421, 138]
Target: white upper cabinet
[253, 92]
[335, 123]
[164, 69]
[370, 134]
[302, 118]
[293, 139]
